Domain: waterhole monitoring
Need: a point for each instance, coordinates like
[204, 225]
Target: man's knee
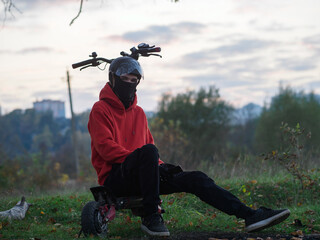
[150, 147]
[150, 151]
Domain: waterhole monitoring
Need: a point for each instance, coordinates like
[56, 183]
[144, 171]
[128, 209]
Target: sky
[246, 49]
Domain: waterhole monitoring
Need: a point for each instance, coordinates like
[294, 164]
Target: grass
[57, 216]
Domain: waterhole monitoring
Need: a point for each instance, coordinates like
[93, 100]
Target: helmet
[125, 65]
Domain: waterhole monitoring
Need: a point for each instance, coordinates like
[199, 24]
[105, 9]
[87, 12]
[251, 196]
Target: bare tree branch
[81, 3]
[9, 6]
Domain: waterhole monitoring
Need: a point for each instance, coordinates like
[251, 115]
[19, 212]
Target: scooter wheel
[92, 221]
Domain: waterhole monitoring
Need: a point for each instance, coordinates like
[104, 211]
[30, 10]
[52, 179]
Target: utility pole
[73, 129]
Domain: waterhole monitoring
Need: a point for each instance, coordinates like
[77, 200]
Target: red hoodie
[115, 132]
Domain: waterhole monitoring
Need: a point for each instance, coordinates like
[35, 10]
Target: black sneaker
[154, 225]
[264, 218]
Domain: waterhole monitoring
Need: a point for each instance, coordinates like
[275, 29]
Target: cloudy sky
[245, 48]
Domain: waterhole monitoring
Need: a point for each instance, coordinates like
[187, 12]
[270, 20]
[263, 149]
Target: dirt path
[236, 236]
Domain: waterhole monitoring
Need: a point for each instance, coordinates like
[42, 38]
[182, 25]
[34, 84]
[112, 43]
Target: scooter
[96, 215]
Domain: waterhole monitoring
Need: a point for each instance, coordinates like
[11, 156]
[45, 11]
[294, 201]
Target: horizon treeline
[193, 129]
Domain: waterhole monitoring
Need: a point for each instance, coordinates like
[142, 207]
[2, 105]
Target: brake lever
[86, 67]
[154, 54]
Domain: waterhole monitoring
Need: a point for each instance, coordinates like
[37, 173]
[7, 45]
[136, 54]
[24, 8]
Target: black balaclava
[125, 91]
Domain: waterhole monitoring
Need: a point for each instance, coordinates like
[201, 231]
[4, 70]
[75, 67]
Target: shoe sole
[159, 234]
[268, 222]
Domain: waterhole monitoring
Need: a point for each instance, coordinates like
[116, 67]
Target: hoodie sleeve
[100, 128]
[151, 141]
[149, 137]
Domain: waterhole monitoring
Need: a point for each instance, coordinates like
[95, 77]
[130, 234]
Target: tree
[202, 116]
[290, 107]
[242, 136]
[20, 129]
[172, 143]
[43, 142]
[10, 133]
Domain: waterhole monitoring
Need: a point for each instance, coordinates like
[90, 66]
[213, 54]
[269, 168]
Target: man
[127, 161]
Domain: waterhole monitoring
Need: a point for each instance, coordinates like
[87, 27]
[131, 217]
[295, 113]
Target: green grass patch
[58, 216]
[50, 217]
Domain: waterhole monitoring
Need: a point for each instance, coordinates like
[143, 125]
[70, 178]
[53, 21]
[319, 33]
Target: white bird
[17, 212]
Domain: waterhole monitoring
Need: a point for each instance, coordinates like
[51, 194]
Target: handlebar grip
[148, 50]
[83, 63]
[156, 49]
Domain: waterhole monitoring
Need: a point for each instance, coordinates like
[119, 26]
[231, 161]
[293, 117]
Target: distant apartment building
[55, 106]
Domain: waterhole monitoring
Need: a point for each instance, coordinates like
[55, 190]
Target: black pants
[141, 175]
